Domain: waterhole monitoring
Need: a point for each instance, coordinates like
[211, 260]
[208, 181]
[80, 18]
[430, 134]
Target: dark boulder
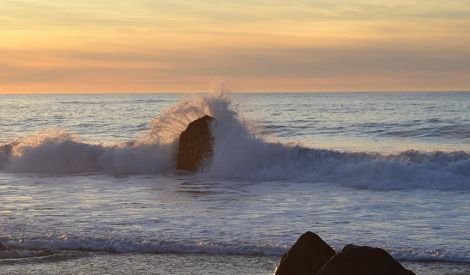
[6, 148]
[2, 247]
[5, 153]
[195, 145]
[306, 256]
[363, 260]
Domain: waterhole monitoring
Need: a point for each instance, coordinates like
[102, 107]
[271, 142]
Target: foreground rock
[195, 145]
[363, 260]
[2, 247]
[306, 256]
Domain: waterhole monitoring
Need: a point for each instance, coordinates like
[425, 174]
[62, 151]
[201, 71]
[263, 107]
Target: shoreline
[75, 262]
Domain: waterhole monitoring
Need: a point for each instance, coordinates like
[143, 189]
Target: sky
[49, 46]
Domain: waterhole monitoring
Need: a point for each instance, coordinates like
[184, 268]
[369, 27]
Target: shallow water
[103, 263]
[349, 178]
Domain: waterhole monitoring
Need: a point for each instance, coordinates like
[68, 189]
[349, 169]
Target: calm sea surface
[87, 182]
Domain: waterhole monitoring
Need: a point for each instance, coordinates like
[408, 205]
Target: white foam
[197, 247]
[129, 246]
[258, 160]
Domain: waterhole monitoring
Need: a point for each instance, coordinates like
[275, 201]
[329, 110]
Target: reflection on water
[142, 212]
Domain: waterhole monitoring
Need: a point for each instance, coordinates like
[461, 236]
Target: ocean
[88, 182]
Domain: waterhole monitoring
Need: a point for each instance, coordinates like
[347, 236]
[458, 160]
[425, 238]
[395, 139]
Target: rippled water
[362, 121]
[349, 176]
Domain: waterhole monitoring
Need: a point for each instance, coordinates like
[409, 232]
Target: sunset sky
[261, 45]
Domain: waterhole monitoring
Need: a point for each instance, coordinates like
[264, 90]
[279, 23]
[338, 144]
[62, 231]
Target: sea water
[88, 182]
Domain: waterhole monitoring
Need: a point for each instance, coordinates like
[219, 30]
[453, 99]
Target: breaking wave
[239, 153]
[59, 151]
[33, 247]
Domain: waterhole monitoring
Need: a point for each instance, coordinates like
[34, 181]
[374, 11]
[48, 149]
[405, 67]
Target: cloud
[197, 67]
[161, 45]
[172, 13]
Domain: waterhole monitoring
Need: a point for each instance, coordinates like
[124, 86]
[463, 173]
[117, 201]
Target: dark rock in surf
[2, 247]
[195, 145]
[306, 256]
[363, 260]
[5, 153]
[6, 149]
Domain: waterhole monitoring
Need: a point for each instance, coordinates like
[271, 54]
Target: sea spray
[59, 151]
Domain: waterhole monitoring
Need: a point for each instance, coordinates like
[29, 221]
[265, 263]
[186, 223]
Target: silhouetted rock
[363, 260]
[2, 247]
[306, 256]
[195, 145]
[6, 148]
[5, 152]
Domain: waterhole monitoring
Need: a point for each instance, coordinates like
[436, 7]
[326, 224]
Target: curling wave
[239, 153]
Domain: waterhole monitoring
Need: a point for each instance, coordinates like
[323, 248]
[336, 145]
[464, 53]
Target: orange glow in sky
[261, 45]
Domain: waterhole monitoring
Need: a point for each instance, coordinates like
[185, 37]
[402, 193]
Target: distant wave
[88, 102]
[449, 131]
[24, 248]
[239, 154]
[127, 246]
[422, 129]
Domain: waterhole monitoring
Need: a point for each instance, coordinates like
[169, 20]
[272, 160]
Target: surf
[240, 152]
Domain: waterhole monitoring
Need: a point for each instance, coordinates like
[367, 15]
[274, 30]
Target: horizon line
[230, 92]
